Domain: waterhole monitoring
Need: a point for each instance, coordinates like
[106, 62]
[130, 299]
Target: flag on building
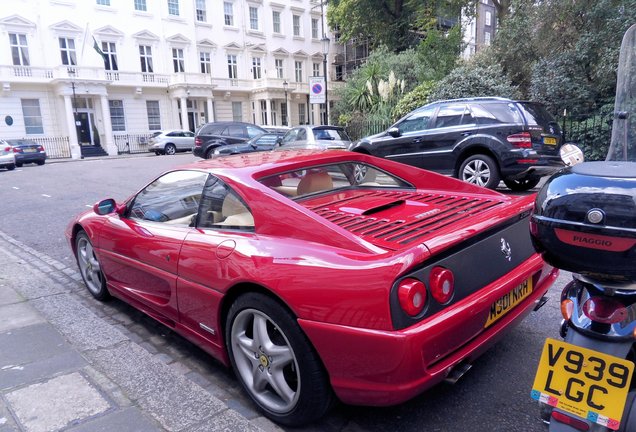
[98, 49]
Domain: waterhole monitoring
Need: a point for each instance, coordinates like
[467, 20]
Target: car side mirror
[105, 207]
[394, 132]
[279, 141]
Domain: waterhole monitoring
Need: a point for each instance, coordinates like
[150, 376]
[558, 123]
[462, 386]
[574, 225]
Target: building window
[487, 38]
[67, 51]
[140, 5]
[206, 62]
[253, 18]
[276, 21]
[117, 118]
[177, 60]
[200, 10]
[232, 66]
[299, 71]
[145, 56]
[315, 69]
[237, 111]
[488, 18]
[283, 113]
[173, 7]
[103, 2]
[279, 68]
[110, 56]
[228, 11]
[154, 116]
[32, 116]
[296, 25]
[339, 72]
[302, 113]
[264, 112]
[19, 49]
[314, 28]
[256, 68]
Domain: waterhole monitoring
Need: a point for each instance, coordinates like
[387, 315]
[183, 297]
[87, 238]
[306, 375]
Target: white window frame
[178, 60]
[257, 68]
[302, 113]
[110, 53]
[153, 112]
[279, 64]
[69, 50]
[103, 2]
[205, 62]
[19, 49]
[314, 28]
[488, 18]
[145, 58]
[200, 10]
[237, 111]
[264, 112]
[276, 22]
[487, 38]
[254, 21]
[140, 5]
[296, 25]
[315, 69]
[32, 114]
[232, 66]
[117, 115]
[228, 13]
[298, 71]
[173, 7]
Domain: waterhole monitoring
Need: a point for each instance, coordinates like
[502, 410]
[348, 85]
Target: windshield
[323, 178]
[623, 144]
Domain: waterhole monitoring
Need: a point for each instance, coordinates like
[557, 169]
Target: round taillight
[604, 310]
[442, 284]
[412, 296]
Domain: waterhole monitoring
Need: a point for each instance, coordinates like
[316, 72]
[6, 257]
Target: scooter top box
[585, 220]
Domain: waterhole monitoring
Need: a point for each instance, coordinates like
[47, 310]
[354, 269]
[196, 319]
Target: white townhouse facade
[103, 73]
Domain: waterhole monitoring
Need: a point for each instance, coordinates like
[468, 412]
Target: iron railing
[55, 147]
[131, 143]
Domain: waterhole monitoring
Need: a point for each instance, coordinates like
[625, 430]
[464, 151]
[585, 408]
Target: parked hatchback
[26, 151]
[478, 140]
[316, 137]
[215, 134]
[171, 142]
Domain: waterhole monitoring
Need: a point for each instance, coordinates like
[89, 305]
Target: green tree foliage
[439, 52]
[474, 78]
[414, 99]
[396, 24]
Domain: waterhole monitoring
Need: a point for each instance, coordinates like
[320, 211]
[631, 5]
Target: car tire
[157, 153]
[10, 167]
[275, 362]
[170, 149]
[18, 164]
[522, 185]
[90, 268]
[209, 154]
[480, 170]
[40, 162]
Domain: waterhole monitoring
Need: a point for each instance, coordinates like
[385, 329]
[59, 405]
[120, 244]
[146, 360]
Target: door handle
[418, 140]
[465, 134]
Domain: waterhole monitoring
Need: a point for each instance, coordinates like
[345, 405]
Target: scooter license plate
[587, 383]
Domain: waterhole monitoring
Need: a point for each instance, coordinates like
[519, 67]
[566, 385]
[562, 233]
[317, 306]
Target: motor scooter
[584, 222]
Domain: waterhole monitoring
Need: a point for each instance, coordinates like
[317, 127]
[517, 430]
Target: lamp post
[285, 87]
[325, 50]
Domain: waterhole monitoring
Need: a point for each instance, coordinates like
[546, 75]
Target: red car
[319, 274]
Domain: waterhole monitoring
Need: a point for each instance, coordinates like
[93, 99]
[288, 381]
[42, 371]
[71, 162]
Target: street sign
[317, 90]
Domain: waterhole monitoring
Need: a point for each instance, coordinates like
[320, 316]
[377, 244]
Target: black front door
[83, 129]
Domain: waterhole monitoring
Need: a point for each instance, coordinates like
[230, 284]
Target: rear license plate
[505, 304]
[29, 150]
[549, 141]
[589, 384]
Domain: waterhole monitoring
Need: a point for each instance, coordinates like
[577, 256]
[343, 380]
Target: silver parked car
[315, 137]
[171, 141]
[7, 157]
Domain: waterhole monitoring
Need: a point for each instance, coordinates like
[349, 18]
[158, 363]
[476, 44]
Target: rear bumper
[380, 368]
[530, 164]
[198, 151]
[30, 157]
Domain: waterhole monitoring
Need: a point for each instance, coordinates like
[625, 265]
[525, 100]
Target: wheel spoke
[280, 356]
[260, 335]
[280, 386]
[246, 345]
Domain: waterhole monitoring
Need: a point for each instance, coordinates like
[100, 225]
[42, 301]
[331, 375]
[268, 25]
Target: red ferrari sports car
[319, 275]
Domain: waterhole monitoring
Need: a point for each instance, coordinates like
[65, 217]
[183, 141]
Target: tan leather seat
[234, 212]
[315, 182]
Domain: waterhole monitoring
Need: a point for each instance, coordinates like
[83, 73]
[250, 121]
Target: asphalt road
[36, 203]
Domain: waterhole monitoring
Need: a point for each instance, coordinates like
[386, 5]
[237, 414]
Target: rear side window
[211, 130]
[302, 135]
[330, 134]
[253, 132]
[235, 131]
[496, 113]
[537, 115]
[450, 115]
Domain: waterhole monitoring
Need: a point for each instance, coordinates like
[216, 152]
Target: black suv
[215, 134]
[478, 140]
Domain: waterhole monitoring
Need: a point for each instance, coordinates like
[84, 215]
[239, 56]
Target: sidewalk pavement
[63, 367]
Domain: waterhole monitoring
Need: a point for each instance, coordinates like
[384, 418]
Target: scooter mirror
[571, 154]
